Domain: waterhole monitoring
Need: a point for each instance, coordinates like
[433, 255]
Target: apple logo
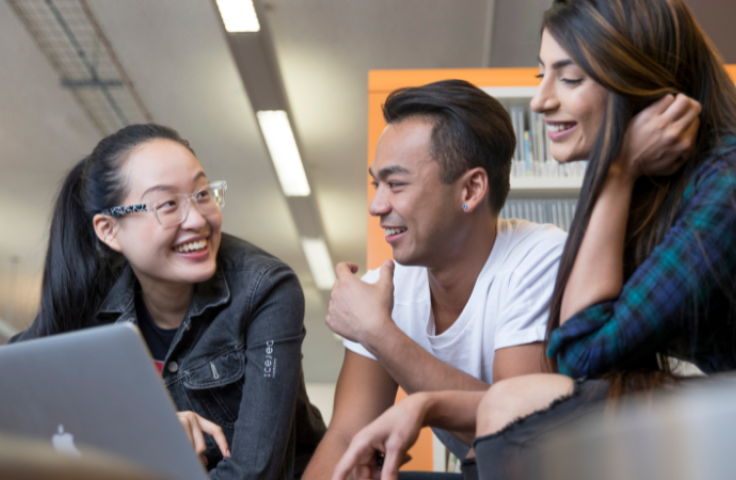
[64, 443]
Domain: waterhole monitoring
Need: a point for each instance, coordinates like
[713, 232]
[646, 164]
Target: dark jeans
[499, 456]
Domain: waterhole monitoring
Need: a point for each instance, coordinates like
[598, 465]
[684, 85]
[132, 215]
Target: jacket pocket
[215, 388]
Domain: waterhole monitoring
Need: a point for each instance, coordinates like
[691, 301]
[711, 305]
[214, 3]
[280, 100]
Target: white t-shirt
[509, 304]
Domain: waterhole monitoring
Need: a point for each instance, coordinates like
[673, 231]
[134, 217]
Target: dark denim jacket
[236, 360]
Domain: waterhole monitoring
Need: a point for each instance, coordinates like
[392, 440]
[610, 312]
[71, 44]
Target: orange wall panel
[378, 249]
[421, 452]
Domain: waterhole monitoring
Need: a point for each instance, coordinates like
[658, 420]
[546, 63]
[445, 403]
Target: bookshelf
[552, 185]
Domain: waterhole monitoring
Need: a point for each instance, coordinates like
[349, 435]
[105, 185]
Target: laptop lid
[96, 388]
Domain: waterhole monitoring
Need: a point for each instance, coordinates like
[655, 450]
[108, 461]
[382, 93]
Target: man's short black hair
[470, 129]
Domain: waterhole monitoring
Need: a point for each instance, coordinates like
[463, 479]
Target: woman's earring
[465, 207]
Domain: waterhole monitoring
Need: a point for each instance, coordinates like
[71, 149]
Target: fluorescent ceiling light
[319, 261]
[284, 152]
[239, 15]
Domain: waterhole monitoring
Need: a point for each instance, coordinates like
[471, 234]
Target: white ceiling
[175, 53]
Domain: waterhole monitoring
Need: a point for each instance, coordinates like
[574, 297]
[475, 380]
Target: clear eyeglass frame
[173, 210]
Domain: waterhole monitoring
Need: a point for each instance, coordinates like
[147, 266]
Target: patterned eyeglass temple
[120, 211]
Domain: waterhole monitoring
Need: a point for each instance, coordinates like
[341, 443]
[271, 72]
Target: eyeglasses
[173, 208]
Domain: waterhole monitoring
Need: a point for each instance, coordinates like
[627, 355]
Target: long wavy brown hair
[639, 50]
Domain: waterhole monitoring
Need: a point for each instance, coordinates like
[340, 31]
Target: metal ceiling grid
[70, 37]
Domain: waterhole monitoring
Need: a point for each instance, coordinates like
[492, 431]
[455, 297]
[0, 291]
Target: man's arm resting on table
[364, 391]
[417, 370]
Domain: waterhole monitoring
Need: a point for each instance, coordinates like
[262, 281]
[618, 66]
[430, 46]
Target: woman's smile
[193, 249]
[557, 131]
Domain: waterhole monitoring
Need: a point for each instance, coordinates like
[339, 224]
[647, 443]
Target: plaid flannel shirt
[680, 300]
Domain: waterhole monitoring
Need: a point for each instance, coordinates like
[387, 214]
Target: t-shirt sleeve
[524, 317]
[370, 277]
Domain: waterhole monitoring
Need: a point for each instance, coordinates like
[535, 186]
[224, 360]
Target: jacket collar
[121, 299]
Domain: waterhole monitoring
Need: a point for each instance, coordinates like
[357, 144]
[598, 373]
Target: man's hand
[658, 139]
[392, 434]
[357, 309]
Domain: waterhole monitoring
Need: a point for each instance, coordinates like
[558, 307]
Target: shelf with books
[556, 184]
[557, 211]
[532, 158]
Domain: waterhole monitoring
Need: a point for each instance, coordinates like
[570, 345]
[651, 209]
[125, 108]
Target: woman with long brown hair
[648, 272]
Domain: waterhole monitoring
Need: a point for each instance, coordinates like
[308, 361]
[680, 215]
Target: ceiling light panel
[284, 152]
[71, 38]
[319, 261]
[239, 16]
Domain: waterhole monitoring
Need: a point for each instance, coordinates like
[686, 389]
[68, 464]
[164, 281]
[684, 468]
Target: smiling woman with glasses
[137, 237]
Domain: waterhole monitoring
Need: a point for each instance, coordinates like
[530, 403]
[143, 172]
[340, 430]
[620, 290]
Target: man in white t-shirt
[466, 302]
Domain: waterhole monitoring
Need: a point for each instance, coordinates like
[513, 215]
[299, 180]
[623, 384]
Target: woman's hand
[195, 426]
[393, 433]
[658, 138]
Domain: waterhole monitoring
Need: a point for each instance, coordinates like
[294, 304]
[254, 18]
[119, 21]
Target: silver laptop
[95, 389]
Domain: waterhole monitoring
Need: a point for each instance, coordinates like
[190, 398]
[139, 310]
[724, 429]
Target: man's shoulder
[526, 240]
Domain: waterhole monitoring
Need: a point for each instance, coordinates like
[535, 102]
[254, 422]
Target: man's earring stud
[465, 207]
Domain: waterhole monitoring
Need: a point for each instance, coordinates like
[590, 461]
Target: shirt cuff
[579, 326]
[357, 348]
[520, 337]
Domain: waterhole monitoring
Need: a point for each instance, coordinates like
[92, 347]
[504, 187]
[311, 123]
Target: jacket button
[173, 367]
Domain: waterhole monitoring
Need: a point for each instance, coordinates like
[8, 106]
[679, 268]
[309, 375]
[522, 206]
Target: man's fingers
[344, 270]
[350, 459]
[214, 430]
[344, 466]
[363, 472]
[391, 464]
[387, 272]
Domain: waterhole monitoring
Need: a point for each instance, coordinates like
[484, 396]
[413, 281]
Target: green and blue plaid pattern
[679, 301]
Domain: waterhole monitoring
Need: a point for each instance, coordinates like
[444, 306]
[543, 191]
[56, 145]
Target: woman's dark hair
[470, 129]
[639, 51]
[79, 269]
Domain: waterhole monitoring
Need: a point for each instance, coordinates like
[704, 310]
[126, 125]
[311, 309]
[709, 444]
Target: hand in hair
[195, 426]
[359, 311]
[659, 138]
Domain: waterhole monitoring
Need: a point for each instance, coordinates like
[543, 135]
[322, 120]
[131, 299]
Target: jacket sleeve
[695, 258]
[263, 438]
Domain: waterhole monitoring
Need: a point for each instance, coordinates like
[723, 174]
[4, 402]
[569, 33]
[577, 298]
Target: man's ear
[105, 230]
[475, 188]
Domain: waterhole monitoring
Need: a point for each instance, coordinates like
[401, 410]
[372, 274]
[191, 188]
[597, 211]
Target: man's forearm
[415, 369]
[452, 411]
